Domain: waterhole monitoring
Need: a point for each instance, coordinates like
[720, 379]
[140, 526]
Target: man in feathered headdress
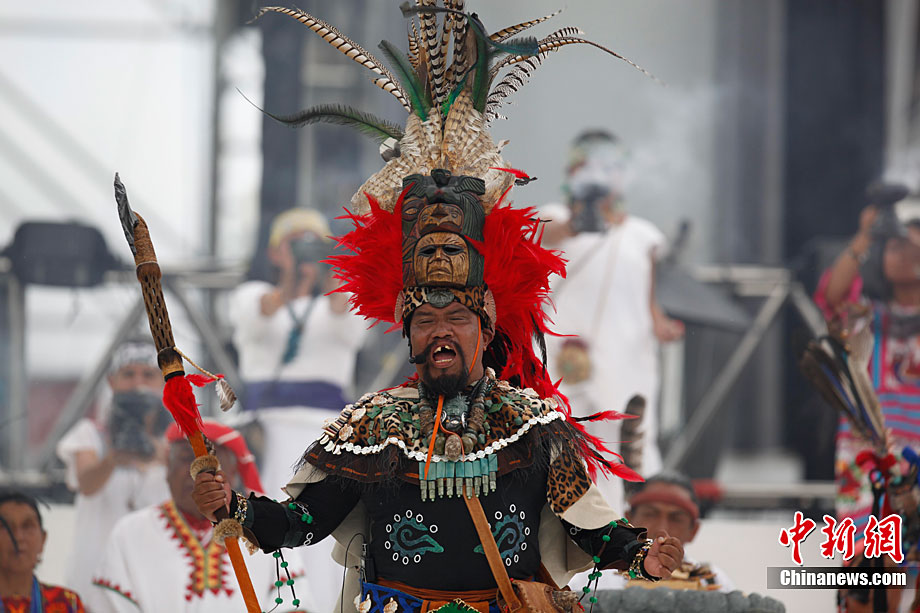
[474, 471]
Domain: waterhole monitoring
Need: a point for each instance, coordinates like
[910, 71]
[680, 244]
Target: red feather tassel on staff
[179, 399]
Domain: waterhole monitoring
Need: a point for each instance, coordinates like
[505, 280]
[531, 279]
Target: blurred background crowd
[770, 184]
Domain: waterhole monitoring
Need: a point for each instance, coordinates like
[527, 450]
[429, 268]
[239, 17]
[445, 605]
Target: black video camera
[585, 206]
[136, 420]
[309, 249]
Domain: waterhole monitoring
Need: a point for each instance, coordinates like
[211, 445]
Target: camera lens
[308, 249]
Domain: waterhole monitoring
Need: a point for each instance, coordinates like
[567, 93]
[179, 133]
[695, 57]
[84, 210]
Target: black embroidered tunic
[421, 535]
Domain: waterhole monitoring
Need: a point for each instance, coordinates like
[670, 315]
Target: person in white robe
[111, 480]
[605, 306]
[297, 349]
[297, 346]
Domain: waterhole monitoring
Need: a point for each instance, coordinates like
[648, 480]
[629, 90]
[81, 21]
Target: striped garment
[895, 373]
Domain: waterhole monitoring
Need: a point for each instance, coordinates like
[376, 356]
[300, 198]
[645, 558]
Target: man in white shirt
[297, 346]
[115, 471]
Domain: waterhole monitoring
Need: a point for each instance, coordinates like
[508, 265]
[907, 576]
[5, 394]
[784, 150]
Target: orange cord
[437, 417]
[478, 341]
[434, 433]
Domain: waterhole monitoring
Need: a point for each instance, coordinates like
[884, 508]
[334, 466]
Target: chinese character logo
[796, 534]
[884, 537]
[880, 537]
[838, 537]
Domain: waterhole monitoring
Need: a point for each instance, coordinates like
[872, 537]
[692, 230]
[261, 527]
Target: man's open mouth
[443, 356]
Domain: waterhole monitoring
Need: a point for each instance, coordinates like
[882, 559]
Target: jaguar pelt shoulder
[567, 482]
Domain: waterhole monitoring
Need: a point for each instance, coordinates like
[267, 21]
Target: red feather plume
[372, 270]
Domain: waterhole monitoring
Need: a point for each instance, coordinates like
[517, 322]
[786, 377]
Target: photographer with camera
[297, 346]
[297, 351]
[116, 460]
[607, 299]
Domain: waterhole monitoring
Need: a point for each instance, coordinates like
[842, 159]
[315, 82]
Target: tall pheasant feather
[506, 33]
[518, 76]
[386, 81]
[457, 69]
[552, 44]
[434, 60]
[440, 85]
[414, 56]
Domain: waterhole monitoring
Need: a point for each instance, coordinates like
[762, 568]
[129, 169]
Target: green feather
[481, 82]
[445, 107]
[418, 95]
[365, 123]
[523, 45]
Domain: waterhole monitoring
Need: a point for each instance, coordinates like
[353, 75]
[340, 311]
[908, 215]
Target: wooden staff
[178, 396]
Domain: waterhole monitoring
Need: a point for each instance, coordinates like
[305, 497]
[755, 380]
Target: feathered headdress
[443, 188]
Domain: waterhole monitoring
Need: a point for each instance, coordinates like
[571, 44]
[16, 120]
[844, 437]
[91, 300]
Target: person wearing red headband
[162, 558]
[666, 504]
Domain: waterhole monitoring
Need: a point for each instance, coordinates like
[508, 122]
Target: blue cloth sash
[278, 394]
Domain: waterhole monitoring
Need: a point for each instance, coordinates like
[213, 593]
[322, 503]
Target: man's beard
[444, 384]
